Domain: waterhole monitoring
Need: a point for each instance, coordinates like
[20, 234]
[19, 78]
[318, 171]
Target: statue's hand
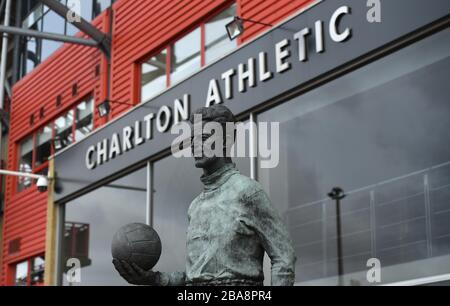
[133, 274]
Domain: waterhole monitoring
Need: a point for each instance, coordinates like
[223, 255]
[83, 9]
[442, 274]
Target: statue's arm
[274, 238]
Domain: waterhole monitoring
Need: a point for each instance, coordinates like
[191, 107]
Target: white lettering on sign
[181, 109]
[281, 54]
[116, 149]
[264, 73]
[256, 69]
[301, 37]
[213, 96]
[137, 134]
[227, 77]
[246, 74]
[334, 24]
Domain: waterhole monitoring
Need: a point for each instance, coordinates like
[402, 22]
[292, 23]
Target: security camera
[42, 184]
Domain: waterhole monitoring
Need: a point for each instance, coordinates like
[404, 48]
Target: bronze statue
[231, 224]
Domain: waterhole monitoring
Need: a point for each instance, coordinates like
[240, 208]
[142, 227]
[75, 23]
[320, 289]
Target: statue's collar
[219, 177]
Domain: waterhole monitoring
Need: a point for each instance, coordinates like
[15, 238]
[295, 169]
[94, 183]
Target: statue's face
[197, 146]
[205, 162]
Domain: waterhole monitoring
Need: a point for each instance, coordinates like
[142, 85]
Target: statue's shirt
[231, 224]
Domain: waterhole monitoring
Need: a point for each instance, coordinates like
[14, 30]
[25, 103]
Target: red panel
[25, 212]
[140, 28]
[151, 28]
[271, 12]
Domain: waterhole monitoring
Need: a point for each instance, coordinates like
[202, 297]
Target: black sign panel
[336, 32]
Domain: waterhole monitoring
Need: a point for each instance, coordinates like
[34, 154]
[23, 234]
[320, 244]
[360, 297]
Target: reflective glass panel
[63, 130]
[170, 208]
[380, 134]
[43, 145]
[153, 76]
[21, 274]
[25, 162]
[185, 56]
[217, 42]
[176, 184]
[37, 271]
[92, 220]
[100, 6]
[84, 119]
[52, 23]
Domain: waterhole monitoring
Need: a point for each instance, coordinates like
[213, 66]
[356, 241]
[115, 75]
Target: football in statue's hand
[137, 243]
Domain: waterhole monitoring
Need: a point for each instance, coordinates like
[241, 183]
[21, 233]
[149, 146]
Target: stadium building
[359, 89]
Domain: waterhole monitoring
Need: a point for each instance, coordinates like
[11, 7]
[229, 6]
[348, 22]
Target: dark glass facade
[379, 133]
[91, 221]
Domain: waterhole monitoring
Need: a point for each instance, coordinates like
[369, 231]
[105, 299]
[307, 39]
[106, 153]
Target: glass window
[379, 133]
[25, 162]
[32, 56]
[33, 49]
[71, 30]
[242, 162]
[41, 18]
[185, 56]
[33, 17]
[63, 130]
[170, 208]
[86, 11]
[21, 274]
[217, 42]
[37, 270]
[52, 23]
[43, 145]
[28, 6]
[84, 119]
[92, 220]
[100, 6]
[153, 76]
[33, 46]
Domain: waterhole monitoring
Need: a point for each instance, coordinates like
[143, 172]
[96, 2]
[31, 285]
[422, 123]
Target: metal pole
[22, 174]
[339, 241]
[256, 22]
[49, 36]
[337, 194]
[16, 50]
[3, 61]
